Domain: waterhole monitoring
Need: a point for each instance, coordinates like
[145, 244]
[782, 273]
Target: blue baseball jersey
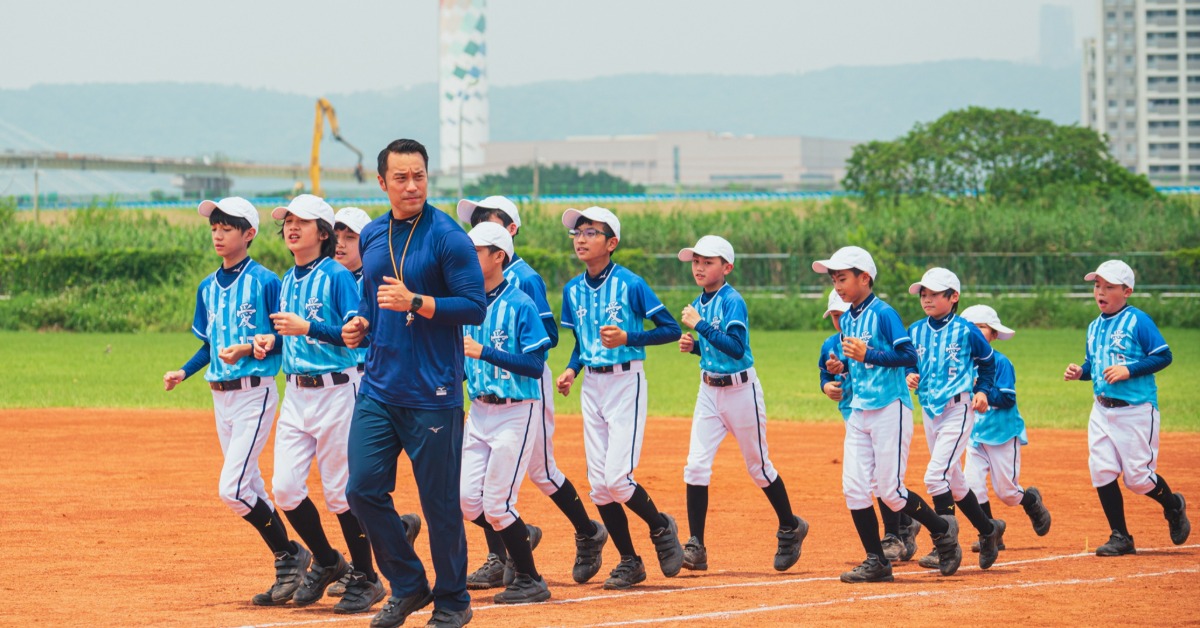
[523, 277]
[1121, 339]
[946, 358]
[512, 325]
[999, 425]
[623, 299]
[877, 324]
[233, 315]
[327, 294]
[834, 344]
[360, 353]
[724, 310]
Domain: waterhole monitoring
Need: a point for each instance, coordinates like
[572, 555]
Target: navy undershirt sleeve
[732, 343]
[198, 361]
[903, 354]
[575, 364]
[326, 332]
[1001, 399]
[464, 279]
[1151, 364]
[666, 330]
[527, 364]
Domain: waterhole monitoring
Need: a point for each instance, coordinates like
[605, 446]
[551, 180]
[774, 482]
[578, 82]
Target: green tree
[552, 179]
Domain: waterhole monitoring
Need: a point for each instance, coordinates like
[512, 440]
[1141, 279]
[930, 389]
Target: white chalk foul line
[712, 587]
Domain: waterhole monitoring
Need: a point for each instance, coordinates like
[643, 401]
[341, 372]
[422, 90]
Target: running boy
[590, 536]
[1124, 351]
[879, 430]
[504, 359]
[604, 307]
[348, 223]
[232, 305]
[999, 435]
[318, 297]
[730, 401]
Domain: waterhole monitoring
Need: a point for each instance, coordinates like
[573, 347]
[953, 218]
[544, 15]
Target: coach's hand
[686, 343]
[471, 348]
[1074, 372]
[1115, 373]
[289, 324]
[833, 390]
[263, 343]
[354, 331]
[173, 378]
[913, 380]
[233, 353]
[979, 402]
[394, 296]
[854, 348]
[612, 336]
[690, 316]
[564, 382]
[834, 365]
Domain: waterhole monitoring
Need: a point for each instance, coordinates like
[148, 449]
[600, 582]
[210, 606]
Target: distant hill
[860, 103]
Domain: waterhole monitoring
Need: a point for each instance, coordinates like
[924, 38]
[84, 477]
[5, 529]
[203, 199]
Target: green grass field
[125, 371]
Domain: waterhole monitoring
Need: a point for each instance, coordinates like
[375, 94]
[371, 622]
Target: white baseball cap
[466, 208]
[836, 304]
[1112, 271]
[352, 217]
[306, 207]
[985, 315]
[491, 234]
[235, 206]
[937, 279]
[594, 214]
[709, 246]
[846, 258]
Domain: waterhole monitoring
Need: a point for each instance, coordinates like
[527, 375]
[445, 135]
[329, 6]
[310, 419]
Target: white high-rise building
[1141, 86]
[462, 83]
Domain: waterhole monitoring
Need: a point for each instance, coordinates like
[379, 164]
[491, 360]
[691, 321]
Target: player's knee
[336, 502]
[471, 507]
[894, 501]
[600, 495]
[544, 484]
[858, 502]
[1009, 496]
[499, 519]
[1140, 483]
[236, 503]
[697, 475]
[622, 491]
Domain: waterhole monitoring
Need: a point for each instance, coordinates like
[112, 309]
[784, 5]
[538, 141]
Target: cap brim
[916, 288]
[279, 213]
[826, 265]
[465, 209]
[1002, 332]
[570, 217]
[206, 208]
[685, 255]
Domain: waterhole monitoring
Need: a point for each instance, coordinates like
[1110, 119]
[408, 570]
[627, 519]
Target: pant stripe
[545, 439]
[900, 450]
[637, 401]
[250, 451]
[1016, 451]
[953, 453]
[1150, 446]
[762, 458]
[516, 480]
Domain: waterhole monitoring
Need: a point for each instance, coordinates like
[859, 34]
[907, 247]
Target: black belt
[496, 400]
[1109, 402]
[962, 396]
[726, 380]
[234, 384]
[362, 368]
[318, 381]
[624, 366]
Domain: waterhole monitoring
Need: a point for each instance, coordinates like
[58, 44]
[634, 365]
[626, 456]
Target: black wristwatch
[416, 302]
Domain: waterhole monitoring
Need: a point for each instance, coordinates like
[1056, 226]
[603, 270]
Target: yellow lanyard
[399, 272]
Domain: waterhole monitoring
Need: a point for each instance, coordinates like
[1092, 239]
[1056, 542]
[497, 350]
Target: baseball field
[113, 519]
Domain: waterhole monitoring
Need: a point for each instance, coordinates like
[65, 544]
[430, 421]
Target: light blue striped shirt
[623, 300]
[512, 326]
[327, 294]
[234, 315]
[948, 351]
[1122, 339]
[877, 324]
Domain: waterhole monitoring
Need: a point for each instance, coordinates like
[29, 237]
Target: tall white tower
[462, 84]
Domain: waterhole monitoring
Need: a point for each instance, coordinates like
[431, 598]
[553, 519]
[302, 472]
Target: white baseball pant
[497, 446]
[1001, 462]
[244, 419]
[1124, 441]
[543, 471]
[614, 424]
[875, 456]
[314, 422]
[739, 410]
[948, 435]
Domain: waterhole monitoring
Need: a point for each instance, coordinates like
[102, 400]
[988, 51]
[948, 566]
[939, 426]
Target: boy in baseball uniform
[590, 535]
[348, 224]
[233, 304]
[879, 430]
[318, 296]
[504, 361]
[999, 434]
[605, 307]
[955, 371]
[1124, 351]
[730, 401]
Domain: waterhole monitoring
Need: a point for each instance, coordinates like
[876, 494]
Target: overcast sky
[316, 47]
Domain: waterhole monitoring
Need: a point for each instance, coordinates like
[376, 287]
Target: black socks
[516, 539]
[1162, 494]
[943, 504]
[617, 523]
[867, 526]
[891, 519]
[642, 506]
[359, 546]
[495, 543]
[777, 495]
[567, 500]
[919, 510]
[987, 507]
[970, 507]
[306, 521]
[270, 527]
[1114, 506]
[697, 507]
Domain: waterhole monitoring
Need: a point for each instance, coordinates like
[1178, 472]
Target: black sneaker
[523, 590]
[790, 542]
[360, 594]
[975, 546]
[589, 552]
[1178, 520]
[510, 568]
[1118, 545]
[317, 579]
[627, 573]
[695, 557]
[490, 575]
[893, 547]
[949, 553]
[289, 571]
[338, 588]
[989, 544]
[930, 560]
[397, 609]
[873, 569]
[908, 536]
[1038, 515]
[443, 618]
[666, 545]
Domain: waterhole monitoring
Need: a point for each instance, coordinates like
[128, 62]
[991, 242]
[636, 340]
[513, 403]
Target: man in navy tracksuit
[421, 283]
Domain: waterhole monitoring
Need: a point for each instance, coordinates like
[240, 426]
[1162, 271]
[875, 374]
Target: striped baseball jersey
[877, 324]
[948, 351]
[999, 425]
[623, 299]
[232, 315]
[724, 309]
[834, 344]
[1118, 340]
[512, 325]
[523, 277]
[322, 292]
[361, 352]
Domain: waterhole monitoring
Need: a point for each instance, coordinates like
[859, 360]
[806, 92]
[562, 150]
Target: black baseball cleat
[989, 544]
[1119, 544]
[948, 550]
[318, 578]
[490, 575]
[666, 545]
[444, 618]
[930, 560]
[1039, 516]
[289, 571]
[791, 541]
[873, 569]
[627, 573]
[908, 536]
[338, 588]
[523, 590]
[534, 537]
[1177, 519]
[397, 609]
[359, 594]
[695, 556]
[893, 547]
[589, 552]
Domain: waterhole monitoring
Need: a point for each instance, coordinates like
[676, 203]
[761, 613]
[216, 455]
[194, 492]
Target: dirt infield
[110, 517]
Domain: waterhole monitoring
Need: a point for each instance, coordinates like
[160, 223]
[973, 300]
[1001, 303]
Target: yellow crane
[325, 110]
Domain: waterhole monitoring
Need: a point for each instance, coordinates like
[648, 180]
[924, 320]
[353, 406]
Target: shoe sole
[483, 586]
[1113, 554]
[340, 610]
[542, 596]
[612, 586]
[887, 578]
[320, 591]
[695, 566]
[425, 602]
